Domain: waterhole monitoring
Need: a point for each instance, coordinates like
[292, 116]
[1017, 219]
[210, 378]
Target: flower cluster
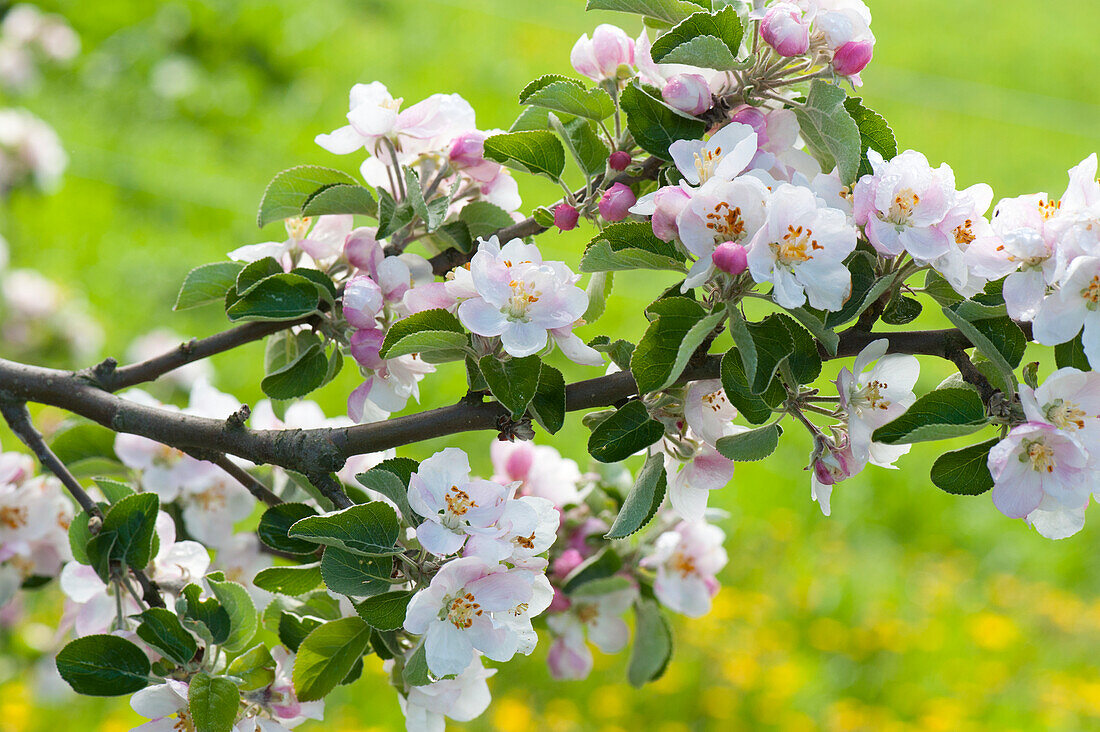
[1046, 468]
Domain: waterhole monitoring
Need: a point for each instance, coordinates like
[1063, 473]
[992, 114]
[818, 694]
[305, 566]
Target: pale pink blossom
[688, 93]
[686, 559]
[720, 211]
[454, 505]
[874, 396]
[598, 616]
[600, 57]
[785, 29]
[1039, 466]
[664, 206]
[461, 699]
[322, 239]
[1073, 308]
[540, 471]
[724, 156]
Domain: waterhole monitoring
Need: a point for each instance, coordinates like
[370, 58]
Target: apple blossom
[540, 470]
[831, 464]
[801, 248]
[664, 206]
[453, 505]
[875, 395]
[720, 211]
[525, 528]
[600, 57]
[1074, 306]
[601, 617]
[1039, 466]
[731, 257]
[1068, 399]
[462, 699]
[784, 29]
[687, 92]
[708, 410]
[161, 703]
[362, 301]
[455, 613]
[321, 239]
[690, 481]
[853, 57]
[566, 217]
[619, 160]
[686, 560]
[616, 202]
[724, 156]
[903, 203]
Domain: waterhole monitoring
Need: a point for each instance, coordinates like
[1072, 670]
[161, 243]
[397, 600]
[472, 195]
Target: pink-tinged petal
[687, 500]
[341, 141]
[498, 644]
[438, 539]
[609, 634]
[80, 583]
[482, 318]
[447, 649]
[569, 660]
[1023, 291]
[575, 349]
[522, 339]
[501, 591]
[422, 610]
[429, 297]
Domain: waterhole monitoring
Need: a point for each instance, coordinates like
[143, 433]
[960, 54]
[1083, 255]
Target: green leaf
[652, 644]
[624, 433]
[415, 672]
[751, 445]
[620, 350]
[163, 631]
[256, 272]
[997, 338]
[544, 81]
[644, 499]
[327, 655]
[598, 289]
[291, 189]
[113, 490]
[599, 566]
[601, 256]
[289, 580]
[237, 603]
[804, 360]
[255, 668]
[586, 148]
[341, 199]
[964, 472]
[392, 215]
[354, 575]
[901, 310]
[206, 284]
[430, 215]
[724, 27]
[293, 629]
[208, 613]
[1072, 354]
[874, 134]
[385, 479]
[369, 529]
[212, 702]
[937, 415]
[276, 522]
[279, 297]
[300, 376]
[534, 151]
[81, 439]
[426, 331]
[763, 346]
[751, 406]
[570, 98]
[668, 11]
[132, 521]
[658, 354]
[385, 611]
[513, 381]
[484, 219]
[654, 124]
[829, 131]
[548, 404]
[103, 665]
[940, 290]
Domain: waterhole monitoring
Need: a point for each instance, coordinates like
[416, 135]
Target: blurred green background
[907, 610]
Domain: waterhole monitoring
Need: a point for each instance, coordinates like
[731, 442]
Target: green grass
[908, 609]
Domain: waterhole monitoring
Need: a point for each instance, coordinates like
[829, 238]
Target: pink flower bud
[364, 347]
[785, 30]
[853, 57]
[670, 201]
[362, 301]
[616, 202]
[600, 57]
[834, 465]
[755, 118]
[468, 149]
[569, 560]
[731, 258]
[560, 603]
[618, 160]
[362, 250]
[688, 93]
[565, 217]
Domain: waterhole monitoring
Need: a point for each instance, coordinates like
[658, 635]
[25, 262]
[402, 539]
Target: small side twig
[260, 491]
[971, 374]
[331, 489]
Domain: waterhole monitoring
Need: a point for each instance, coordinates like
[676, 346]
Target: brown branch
[19, 419]
[258, 490]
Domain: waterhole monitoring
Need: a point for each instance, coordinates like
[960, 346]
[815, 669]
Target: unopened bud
[785, 30]
[616, 202]
[687, 92]
[853, 57]
[731, 258]
[618, 160]
[566, 217]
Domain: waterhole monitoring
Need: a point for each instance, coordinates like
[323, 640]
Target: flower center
[726, 221]
[166, 456]
[13, 517]
[212, 499]
[904, 202]
[683, 564]
[964, 234]
[461, 610]
[871, 395]
[1040, 455]
[1049, 209]
[716, 400]
[298, 227]
[527, 542]
[523, 296]
[587, 613]
[1092, 293]
[798, 245]
[458, 502]
[705, 162]
[1065, 415]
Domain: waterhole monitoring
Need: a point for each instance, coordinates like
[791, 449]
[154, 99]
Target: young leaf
[341, 199]
[237, 603]
[276, 522]
[300, 376]
[644, 499]
[354, 575]
[829, 131]
[597, 567]
[426, 331]
[874, 134]
[103, 665]
[652, 644]
[369, 529]
[513, 382]
[162, 630]
[385, 611]
[1072, 354]
[997, 338]
[964, 472]
[208, 614]
[668, 11]
[289, 190]
[483, 219]
[658, 355]
[327, 655]
[752, 407]
[548, 404]
[415, 672]
[206, 284]
[624, 433]
[569, 98]
[283, 296]
[544, 81]
[536, 151]
[901, 310]
[724, 26]
[937, 415]
[763, 346]
[654, 124]
[751, 445]
[707, 51]
[132, 521]
[804, 359]
[254, 667]
[212, 702]
[291, 581]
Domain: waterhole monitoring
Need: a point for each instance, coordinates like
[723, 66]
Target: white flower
[1073, 306]
[1039, 466]
[601, 617]
[160, 703]
[687, 560]
[875, 396]
[454, 506]
[526, 528]
[718, 212]
[801, 248]
[462, 699]
[324, 241]
[1069, 400]
[724, 156]
[455, 613]
[539, 469]
[708, 411]
[973, 243]
[521, 298]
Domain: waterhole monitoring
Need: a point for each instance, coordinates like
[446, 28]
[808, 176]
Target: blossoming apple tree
[722, 148]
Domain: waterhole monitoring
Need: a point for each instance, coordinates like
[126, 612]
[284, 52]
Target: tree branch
[258, 490]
